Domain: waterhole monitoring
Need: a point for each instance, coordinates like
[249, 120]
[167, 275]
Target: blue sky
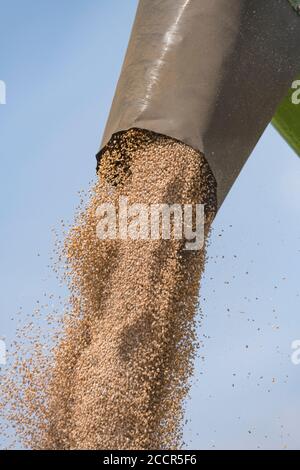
[60, 61]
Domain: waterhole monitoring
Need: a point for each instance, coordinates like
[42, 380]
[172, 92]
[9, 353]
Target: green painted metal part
[295, 4]
[287, 117]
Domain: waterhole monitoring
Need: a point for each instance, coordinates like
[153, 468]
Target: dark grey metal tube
[209, 73]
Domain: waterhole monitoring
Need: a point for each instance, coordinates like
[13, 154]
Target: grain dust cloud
[114, 371]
